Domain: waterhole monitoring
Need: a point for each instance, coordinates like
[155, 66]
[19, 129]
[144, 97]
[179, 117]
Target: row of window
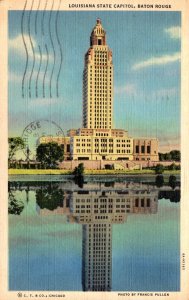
[100, 59]
[100, 50]
[101, 200]
[98, 71]
[83, 140]
[111, 140]
[83, 145]
[99, 68]
[102, 118]
[110, 150]
[102, 143]
[122, 206]
[103, 206]
[102, 109]
[123, 145]
[122, 210]
[101, 54]
[101, 217]
[102, 211]
[123, 151]
[101, 134]
[100, 124]
[142, 202]
[83, 150]
[142, 149]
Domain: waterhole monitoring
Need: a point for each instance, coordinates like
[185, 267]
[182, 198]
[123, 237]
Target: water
[118, 234]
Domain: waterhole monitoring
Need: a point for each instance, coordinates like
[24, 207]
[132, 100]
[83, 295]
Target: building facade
[98, 81]
[101, 144]
[145, 149]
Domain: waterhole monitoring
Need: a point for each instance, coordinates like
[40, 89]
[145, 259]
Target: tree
[49, 155]
[159, 169]
[15, 144]
[172, 167]
[15, 206]
[79, 171]
[172, 181]
[159, 180]
[172, 155]
[161, 156]
[175, 155]
[50, 197]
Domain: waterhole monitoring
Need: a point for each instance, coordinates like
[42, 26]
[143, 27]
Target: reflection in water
[15, 207]
[50, 196]
[97, 206]
[98, 211]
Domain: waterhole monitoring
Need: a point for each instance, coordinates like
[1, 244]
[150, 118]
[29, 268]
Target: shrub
[79, 171]
[159, 180]
[172, 181]
[159, 169]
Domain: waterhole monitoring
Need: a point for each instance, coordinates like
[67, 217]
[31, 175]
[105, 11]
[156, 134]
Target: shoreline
[90, 172]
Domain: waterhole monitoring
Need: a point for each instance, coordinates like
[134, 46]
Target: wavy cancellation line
[44, 77]
[36, 83]
[60, 48]
[36, 17]
[54, 53]
[26, 50]
[32, 46]
[33, 70]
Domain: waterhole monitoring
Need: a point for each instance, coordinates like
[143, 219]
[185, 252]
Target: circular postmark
[34, 132]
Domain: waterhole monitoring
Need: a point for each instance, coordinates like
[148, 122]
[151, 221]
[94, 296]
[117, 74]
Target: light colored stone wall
[145, 149]
[117, 165]
[101, 148]
[99, 164]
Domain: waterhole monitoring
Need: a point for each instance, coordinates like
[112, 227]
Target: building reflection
[96, 206]
[97, 211]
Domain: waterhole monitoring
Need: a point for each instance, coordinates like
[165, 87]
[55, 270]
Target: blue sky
[146, 57]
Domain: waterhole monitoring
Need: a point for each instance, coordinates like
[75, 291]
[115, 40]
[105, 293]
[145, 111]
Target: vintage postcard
[94, 160]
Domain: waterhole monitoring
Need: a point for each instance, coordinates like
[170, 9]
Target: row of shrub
[159, 168]
[160, 181]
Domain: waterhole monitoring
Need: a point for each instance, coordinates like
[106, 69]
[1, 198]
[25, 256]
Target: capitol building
[97, 140]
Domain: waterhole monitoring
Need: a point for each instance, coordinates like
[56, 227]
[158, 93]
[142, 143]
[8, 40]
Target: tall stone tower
[98, 81]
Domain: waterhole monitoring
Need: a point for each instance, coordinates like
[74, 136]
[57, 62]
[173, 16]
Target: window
[142, 149]
[137, 149]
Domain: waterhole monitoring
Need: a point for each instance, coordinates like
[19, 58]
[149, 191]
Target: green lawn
[38, 172]
[87, 172]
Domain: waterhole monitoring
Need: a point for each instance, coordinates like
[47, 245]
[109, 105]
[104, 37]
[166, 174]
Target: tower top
[98, 34]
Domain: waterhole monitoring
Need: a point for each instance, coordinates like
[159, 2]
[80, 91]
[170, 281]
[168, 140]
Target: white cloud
[128, 89]
[174, 32]
[17, 77]
[160, 60]
[17, 45]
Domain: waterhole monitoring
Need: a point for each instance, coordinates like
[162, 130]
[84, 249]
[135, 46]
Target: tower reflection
[97, 207]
